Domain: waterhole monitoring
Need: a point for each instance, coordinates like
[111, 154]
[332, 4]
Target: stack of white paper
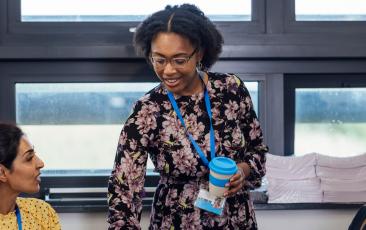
[341, 173]
[355, 185]
[341, 162]
[344, 196]
[316, 178]
[343, 179]
[292, 179]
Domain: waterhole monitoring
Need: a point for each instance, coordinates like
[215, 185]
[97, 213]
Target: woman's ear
[199, 60]
[199, 55]
[3, 171]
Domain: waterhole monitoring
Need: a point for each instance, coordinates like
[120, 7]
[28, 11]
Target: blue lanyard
[212, 134]
[19, 217]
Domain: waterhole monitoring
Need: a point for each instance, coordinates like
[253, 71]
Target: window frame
[294, 81]
[71, 72]
[273, 33]
[86, 72]
[261, 79]
[110, 32]
[320, 27]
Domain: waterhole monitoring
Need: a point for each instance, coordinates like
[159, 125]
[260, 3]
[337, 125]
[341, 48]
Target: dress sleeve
[255, 154]
[126, 183]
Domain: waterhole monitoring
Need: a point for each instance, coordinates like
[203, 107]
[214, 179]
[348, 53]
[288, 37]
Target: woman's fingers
[236, 177]
[234, 185]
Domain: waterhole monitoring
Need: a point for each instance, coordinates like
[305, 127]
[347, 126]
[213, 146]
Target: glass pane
[330, 121]
[117, 10]
[75, 126]
[330, 10]
[253, 91]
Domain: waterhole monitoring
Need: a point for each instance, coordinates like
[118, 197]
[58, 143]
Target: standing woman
[20, 173]
[181, 44]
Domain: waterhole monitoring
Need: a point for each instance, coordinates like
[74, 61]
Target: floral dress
[154, 129]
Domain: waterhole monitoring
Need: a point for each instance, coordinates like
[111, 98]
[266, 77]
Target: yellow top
[36, 215]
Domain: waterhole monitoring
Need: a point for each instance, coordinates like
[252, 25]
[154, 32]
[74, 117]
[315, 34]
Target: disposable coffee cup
[221, 170]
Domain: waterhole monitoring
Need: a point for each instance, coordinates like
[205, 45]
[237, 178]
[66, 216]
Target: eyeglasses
[176, 62]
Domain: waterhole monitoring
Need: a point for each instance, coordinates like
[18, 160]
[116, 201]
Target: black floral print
[154, 129]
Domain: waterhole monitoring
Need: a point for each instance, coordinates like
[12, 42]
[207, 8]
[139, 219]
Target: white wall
[271, 219]
[305, 219]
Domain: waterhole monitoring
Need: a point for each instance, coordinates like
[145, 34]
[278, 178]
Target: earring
[200, 66]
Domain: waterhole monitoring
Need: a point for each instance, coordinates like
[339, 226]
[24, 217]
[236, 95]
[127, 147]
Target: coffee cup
[221, 170]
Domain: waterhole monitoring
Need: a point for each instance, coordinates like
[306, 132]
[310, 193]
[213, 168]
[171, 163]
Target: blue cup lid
[223, 165]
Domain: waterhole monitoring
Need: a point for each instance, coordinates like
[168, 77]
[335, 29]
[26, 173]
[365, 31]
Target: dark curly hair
[10, 136]
[186, 20]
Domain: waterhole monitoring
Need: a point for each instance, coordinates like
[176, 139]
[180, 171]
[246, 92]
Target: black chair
[359, 221]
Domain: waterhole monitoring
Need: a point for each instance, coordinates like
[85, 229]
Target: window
[122, 11]
[112, 23]
[73, 113]
[330, 10]
[255, 83]
[330, 121]
[325, 114]
[252, 87]
[321, 18]
[75, 127]
[81, 121]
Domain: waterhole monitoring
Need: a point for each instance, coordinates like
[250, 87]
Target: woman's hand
[236, 182]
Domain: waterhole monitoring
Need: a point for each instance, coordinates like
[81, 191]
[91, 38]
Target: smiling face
[24, 175]
[183, 80]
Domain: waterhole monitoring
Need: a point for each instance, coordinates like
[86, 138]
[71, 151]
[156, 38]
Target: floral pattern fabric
[154, 129]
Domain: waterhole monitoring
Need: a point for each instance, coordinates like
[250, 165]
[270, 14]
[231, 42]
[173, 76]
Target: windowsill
[79, 201]
[258, 205]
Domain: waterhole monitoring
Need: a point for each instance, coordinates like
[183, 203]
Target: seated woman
[20, 173]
